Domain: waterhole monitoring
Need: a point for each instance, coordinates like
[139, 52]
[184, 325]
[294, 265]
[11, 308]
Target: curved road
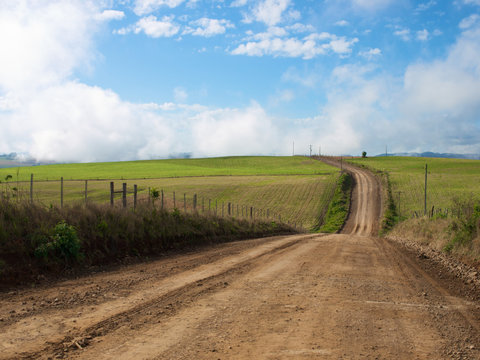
[342, 296]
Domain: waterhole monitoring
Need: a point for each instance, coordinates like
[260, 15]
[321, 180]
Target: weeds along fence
[51, 193]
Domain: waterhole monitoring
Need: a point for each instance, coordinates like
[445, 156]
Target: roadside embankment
[37, 241]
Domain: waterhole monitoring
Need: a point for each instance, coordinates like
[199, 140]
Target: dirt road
[343, 296]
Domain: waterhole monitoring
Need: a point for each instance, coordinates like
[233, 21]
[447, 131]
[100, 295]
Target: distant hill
[16, 160]
[437, 155]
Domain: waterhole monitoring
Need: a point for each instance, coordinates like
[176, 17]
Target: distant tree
[364, 154]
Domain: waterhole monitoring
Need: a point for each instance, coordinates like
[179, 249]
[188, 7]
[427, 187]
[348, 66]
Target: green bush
[62, 246]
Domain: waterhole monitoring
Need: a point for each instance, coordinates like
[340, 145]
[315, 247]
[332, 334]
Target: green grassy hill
[148, 169]
[295, 188]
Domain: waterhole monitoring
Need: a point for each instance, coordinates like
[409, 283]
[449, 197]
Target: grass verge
[339, 207]
[35, 240]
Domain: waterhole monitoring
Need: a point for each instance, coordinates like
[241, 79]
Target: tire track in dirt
[47, 330]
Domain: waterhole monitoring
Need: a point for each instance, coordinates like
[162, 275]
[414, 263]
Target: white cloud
[144, 7]
[425, 6]
[342, 23]
[371, 5]
[434, 107]
[153, 27]
[403, 34]
[43, 42]
[180, 94]
[208, 27]
[108, 15]
[276, 42]
[247, 131]
[473, 2]
[239, 3]
[299, 28]
[270, 12]
[423, 35]
[469, 21]
[370, 53]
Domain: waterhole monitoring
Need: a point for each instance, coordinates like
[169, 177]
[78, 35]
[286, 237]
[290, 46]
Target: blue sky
[140, 79]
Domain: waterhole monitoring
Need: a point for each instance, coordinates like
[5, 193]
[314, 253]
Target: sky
[110, 80]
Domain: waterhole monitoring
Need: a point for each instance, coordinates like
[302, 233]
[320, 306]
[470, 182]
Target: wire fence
[127, 195]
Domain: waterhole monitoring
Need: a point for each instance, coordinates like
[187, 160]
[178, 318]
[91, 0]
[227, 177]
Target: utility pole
[310, 150]
[425, 200]
[293, 149]
[386, 150]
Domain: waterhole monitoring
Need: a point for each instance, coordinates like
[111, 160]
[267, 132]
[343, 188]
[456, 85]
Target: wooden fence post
[229, 209]
[112, 191]
[194, 202]
[162, 200]
[251, 212]
[149, 196]
[61, 192]
[184, 202]
[86, 191]
[31, 188]
[203, 205]
[124, 194]
[135, 188]
[174, 201]
[209, 204]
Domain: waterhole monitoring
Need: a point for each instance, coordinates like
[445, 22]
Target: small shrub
[467, 225]
[63, 245]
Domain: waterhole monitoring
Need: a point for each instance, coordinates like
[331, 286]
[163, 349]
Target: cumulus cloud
[434, 106]
[276, 42]
[144, 7]
[423, 35]
[370, 53]
[43, 44]
[238, 3]
[403, 34]
[270, 12]
[425, 6]
[153, 27]
[45, 113]
[208, 27]
[342, 23]
[469, 21]
[107, 15]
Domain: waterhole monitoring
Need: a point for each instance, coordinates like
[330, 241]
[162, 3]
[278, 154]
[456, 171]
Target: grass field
[296, 188]
[150, 169]
[447, 179]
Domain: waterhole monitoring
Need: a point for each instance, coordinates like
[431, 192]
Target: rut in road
[348, 295]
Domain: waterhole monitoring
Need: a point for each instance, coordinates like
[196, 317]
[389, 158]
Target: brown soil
[343, 296]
